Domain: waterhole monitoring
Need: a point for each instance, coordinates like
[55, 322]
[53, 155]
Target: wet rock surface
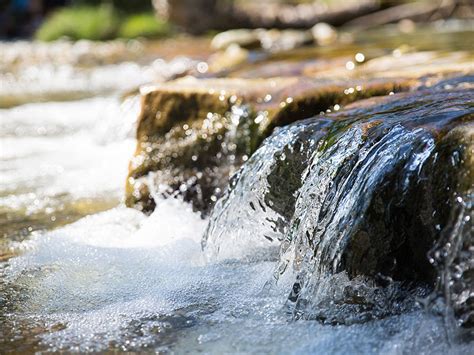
[361, 201]
[193, 134]
[372, 191]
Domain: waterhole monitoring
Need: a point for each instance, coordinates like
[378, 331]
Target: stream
[79, 271]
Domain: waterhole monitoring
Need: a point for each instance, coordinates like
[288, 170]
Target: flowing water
[119, 280]
[313, 186]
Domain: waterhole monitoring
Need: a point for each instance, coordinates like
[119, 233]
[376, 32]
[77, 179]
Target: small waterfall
[341, 183]
[253, 201]
[453, 256]
[343, 196]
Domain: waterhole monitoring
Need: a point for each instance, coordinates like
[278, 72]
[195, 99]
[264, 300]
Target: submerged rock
[453, 253]
[271, 40]
[323, 34]
[193, 134]
[369, 191]
[245, 38]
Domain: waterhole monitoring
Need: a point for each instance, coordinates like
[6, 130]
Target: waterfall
[342, 197]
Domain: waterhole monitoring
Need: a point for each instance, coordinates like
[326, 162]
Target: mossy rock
[417, 226]
[193, 134]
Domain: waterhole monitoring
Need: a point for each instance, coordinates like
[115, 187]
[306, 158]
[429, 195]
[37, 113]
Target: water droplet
[359, 57]
[258, 119]
[350, 65]
[202, 67]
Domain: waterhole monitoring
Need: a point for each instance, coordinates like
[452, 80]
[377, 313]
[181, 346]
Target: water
[61, 161]
[80, 70]
[112, 281]
[351, 180]
[80, 272]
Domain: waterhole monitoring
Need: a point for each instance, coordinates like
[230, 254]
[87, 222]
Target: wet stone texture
[194, 133]
[409, 207]
[382, 189]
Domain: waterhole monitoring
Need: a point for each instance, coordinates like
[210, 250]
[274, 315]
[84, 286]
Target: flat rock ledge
[193, 134]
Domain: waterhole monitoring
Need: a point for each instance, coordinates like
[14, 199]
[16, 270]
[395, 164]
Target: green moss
[100, 23]
[144, 25]
[84, 22]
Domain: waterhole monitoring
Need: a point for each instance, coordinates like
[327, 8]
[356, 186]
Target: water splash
[243, 208]
[345, 213]
[61, 161]
[122, 281]
[453, 256]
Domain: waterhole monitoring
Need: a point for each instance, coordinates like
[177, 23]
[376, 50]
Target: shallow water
[81, 272]
[108, 282]
[61, 161]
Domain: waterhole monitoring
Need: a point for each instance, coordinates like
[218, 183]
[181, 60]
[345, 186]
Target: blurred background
[108, 19]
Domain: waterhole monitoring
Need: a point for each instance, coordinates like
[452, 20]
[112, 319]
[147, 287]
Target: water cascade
[302, 202]
[357, 197]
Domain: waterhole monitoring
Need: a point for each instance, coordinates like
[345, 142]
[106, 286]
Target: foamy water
[119, 280]
[60, 71]
[60, 161]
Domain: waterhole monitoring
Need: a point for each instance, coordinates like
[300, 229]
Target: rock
[283, 40]
[194, 133]
[367, 192]
[272, 40]
[404, 63]
[323, 34]
[425, 67]
[417, 207]
[199, 16]
[453, 254]
[403, 221]
[231, 57]
[243, 37]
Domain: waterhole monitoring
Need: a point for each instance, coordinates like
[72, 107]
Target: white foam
[119, 277]
[51, 152]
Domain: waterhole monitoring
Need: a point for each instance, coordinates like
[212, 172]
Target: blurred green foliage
[144, 25]
[88, 22]
[101, 22]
